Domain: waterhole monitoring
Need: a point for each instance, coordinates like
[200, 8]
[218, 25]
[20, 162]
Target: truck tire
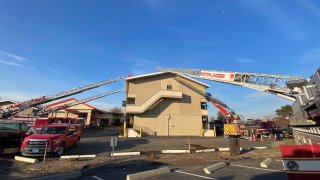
[60, 150]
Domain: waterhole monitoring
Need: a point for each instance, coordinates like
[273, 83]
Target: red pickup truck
[55, 138]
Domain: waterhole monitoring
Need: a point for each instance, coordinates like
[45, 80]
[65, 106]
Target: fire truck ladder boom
[15, 108]
[54, 109]
[274, 84]
[222, 107]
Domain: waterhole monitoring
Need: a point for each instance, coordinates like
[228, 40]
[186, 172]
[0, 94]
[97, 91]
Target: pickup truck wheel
[60, 150]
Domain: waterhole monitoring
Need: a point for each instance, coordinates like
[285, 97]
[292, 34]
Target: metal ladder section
[57, 108]
[15, 108]
[270, 83]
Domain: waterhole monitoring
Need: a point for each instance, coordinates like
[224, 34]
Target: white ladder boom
[274, 84]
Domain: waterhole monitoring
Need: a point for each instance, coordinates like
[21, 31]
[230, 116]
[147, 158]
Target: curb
[24, 159]
[205, 150]
[226, 149]
[215, 167]
[175, 151]
[259, 148]
[265, 163]
[63, 176]
[126, 154]
[78, 156]
[148, 174]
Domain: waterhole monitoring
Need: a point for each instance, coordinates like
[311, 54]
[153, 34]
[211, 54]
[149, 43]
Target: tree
[284, 111]
[211, 118]
[116, 110]
[220, 116]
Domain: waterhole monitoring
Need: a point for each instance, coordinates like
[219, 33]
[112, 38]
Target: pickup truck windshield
[11, 127]
[53, 130]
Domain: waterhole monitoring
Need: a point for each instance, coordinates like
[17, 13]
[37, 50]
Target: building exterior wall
[170, 117]
[75, 112]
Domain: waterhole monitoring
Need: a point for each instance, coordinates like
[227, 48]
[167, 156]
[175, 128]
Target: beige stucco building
[162, 106]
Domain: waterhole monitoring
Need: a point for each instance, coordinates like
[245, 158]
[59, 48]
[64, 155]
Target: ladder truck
[18, 107]
[234, 126]
[305, 93]
[65, 106]
[300, 161]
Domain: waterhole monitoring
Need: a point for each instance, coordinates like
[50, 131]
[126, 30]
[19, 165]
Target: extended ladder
[15, 108]
[274, 84]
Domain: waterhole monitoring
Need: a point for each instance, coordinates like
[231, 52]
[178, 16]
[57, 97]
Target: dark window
[24, 128]
[169, 87]
[131, 100]
[204, 105]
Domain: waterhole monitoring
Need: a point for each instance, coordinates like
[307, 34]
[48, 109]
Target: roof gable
[159, 73]
[68, 101]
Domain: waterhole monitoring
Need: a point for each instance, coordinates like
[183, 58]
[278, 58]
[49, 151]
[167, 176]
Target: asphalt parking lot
[98, 142]
[237, 170]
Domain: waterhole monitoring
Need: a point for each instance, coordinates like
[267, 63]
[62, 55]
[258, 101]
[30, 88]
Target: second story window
[131, 100]
[204, 105]
[169, 87]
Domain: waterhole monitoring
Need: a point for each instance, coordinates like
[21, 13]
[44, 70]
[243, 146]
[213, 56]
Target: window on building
[131, 100]
[205, 119]
[169, 87]
[204, 105]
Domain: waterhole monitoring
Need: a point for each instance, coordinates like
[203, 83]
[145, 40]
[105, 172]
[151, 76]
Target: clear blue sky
[50, 46]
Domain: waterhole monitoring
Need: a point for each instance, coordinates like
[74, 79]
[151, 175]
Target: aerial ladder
[18, 107]
[233, 125]
[270, 83]
[68, 105]
[227, 112]
[305, 93]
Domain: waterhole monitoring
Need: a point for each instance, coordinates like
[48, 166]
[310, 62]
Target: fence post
[140, 132]
[201, 132]
[214, 131]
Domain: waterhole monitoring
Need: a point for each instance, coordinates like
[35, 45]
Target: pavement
[98, 142]
[237, 170]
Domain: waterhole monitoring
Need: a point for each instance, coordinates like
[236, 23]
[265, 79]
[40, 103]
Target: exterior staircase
[150, 102]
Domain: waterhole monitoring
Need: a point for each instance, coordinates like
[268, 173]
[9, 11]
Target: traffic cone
[261, 138]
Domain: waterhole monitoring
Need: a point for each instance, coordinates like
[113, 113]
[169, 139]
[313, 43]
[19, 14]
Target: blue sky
[50, 46]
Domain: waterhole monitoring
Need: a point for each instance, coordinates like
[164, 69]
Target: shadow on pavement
[9, 167]
[94, 147]
[226, 178]
[276, 175]
[121, 170]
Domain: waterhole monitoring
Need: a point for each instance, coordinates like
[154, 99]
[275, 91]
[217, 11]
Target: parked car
[12, 134]
[53, 138]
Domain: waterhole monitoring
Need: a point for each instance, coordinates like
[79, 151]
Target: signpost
[113, 143]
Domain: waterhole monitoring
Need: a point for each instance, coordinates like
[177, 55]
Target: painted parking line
[204, 177]
[271, 170]
[96, 177]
